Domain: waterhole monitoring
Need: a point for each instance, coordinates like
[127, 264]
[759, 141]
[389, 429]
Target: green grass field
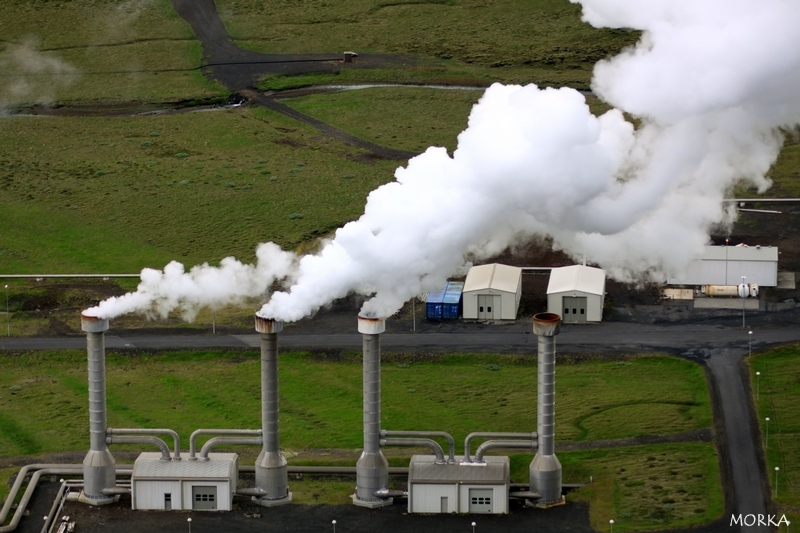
[778, 390]
[43, 406]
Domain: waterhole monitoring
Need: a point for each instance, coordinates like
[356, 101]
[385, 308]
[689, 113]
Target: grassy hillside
[98, 51]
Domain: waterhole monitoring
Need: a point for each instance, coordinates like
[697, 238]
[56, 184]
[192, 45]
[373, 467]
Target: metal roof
[493, 276]
[740, 253]
[422, 469]
[452, 294]
[577, 278]
[149, 466]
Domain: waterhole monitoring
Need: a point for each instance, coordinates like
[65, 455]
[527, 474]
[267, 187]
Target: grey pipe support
[503, 444]
[428, 443]
[545, 470]
[226, 441]
[116, 491]
[198, 432]
[493, 435]
[372, 467]
[451, 443]
[271, 476]
[98, 465]
[176, 439]
[141, 439]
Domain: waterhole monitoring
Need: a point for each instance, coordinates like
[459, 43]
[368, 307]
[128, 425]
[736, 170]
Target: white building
[492, 292]
[458, 488]
[184, 485]
[577, 293]
[725, 265]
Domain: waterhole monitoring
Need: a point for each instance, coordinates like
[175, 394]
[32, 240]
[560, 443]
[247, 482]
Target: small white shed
[458, 488]
[725, 265]
[184, 485]
[577, 293]
[492, 292]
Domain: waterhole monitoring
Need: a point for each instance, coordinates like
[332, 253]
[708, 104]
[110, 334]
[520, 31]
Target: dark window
[574, 311]
[488, 309]
[481, 309]
[566, 310]
[582, 310]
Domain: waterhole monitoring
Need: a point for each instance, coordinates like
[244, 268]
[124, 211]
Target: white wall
[427, 498]
[149, 495]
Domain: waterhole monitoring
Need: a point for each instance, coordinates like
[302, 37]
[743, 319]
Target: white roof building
[577, 293]
[184, 485]
[726, 265]
[492, 292]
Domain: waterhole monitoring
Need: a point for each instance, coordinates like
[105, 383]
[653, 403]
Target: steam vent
[545, 469]
[271, 466]
[372, 468]
[99, 475]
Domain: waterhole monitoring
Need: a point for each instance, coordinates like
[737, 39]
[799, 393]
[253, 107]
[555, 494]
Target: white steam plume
[232, 283]
[711, 83]
[31, 75]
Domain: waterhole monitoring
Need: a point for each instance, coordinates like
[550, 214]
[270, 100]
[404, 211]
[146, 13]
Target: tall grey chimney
[271, 466]
[545, 469]
[98, 466]
[372, 469]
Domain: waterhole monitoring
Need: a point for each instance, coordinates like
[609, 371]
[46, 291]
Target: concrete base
[97, 501]
[378, 503]
[722, 302]
[263, 502]
[546, 505]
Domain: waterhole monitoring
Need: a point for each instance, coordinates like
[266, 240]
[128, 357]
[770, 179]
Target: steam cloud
[711, 82]
[35, 76]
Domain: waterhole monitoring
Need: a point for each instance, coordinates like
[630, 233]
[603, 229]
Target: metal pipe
[176, 439]
[493, 435]
[545, 469]
[372, 466]
[38, 471]
[504, 444]
[271, 476]
[98, 466]
[451, 443]
[428, 443]
[141, 439]
[227, 441]
[198, 432]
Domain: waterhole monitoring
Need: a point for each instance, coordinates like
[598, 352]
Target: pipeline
[176, 439]
[228, 441]
[505, 444]
[494, 435]
[39, 470]
[198, 432]
[143, 439]
[450, 441]
[429, 443]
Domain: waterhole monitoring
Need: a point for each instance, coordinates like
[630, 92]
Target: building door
[574, 309]
[444, 508]
[480, 500]
[168, 501]
[204, 497]
[489, 306]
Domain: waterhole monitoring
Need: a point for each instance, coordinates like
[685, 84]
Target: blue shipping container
[451, 304]
[433, 307]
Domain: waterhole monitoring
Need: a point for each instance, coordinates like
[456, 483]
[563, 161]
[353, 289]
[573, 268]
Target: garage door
[480, 500]
[204, 497]
[574, 309]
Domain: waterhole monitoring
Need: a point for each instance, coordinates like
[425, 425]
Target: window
[481, 501]
[583, 310]
[204, 497]
[566, 310]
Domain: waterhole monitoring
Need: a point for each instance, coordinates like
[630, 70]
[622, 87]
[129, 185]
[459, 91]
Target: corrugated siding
[149, 494]
[451, 304]
[715, 272]
[426, 498]
[433, 305]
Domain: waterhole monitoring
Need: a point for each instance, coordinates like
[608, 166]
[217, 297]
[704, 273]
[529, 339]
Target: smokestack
[372, 469]
[271, 473]
[545, 469]
[98, 466]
